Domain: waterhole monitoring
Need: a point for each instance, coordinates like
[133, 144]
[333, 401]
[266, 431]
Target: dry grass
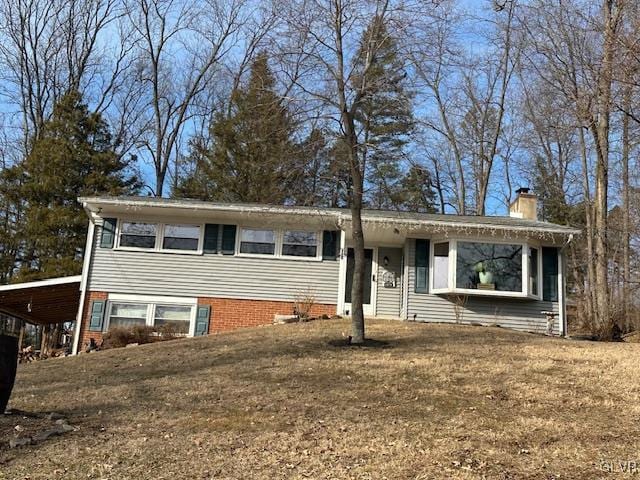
[279, 402]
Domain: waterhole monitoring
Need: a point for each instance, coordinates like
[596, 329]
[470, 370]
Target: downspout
[83, 284]
[563, 305]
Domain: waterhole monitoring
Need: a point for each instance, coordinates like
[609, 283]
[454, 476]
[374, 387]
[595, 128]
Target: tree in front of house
[252, 157]
[385, 117]
[72, 157]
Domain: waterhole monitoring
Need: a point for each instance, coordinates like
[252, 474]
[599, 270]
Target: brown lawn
[281, 403]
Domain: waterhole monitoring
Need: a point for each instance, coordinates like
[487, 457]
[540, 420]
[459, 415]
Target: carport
[44, 303]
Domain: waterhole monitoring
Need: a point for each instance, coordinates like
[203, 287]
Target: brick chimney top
[525, 205]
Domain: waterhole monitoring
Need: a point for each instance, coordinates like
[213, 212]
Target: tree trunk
[626, 235]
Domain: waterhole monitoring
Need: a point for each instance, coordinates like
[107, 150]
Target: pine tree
[252, 158]
[385, 117]
[418, 194]
[72, 157]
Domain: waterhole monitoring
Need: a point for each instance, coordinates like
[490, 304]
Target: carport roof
[42, 302]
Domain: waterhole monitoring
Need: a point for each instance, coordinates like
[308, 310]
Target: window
[441, 265]
[261, 242]
[176, 316]
[533, 271]
[138, 235]
[299, 244]
[489, 266]
[127, 315]
[181, 237]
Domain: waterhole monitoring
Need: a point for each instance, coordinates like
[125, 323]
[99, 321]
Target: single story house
[206, 267]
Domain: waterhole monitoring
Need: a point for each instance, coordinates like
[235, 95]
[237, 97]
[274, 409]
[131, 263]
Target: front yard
[280, 402]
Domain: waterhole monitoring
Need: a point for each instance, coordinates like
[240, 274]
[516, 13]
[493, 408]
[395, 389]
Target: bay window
[440, 265]
[489, 266]
[485, 268]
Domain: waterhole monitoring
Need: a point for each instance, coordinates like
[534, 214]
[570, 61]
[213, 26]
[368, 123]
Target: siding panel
[520, 314]
[211, 275]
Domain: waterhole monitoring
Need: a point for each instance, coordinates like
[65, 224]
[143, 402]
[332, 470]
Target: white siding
[389, 299]
[519, 314]
[210, 275]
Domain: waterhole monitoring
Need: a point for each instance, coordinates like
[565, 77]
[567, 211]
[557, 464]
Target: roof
[95, 204]
[43, 302]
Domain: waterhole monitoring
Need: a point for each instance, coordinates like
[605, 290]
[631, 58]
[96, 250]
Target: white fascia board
[42, 283]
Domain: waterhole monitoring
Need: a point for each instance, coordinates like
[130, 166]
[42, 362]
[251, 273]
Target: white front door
[370, 270]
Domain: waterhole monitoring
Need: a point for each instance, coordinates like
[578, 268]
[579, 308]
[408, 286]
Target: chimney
[525, 205]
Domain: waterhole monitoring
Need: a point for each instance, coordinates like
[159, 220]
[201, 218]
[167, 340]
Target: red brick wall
[226, 314]
[85, 334]
[230, 314]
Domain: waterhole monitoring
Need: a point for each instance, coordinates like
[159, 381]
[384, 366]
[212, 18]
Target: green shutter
[108, 234]
[422, 266]
[211, 238]
[97, 315]
[228, 239]
[202, 320]
[550, 274]
[330, 241]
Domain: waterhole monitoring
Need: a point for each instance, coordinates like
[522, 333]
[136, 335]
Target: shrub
[303, 303]
[121, 336]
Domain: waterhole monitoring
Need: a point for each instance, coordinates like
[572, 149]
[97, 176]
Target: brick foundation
[229, 314]
[226, 314]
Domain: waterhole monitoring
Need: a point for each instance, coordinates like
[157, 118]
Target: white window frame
[279, 240]
[160, 228]
[152, 301]
[453, 259]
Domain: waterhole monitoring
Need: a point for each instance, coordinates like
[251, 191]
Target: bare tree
[180, 47]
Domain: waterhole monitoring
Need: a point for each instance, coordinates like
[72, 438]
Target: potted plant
[483, 269]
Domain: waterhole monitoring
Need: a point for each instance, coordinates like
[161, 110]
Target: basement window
[127, 315]
[175, 317]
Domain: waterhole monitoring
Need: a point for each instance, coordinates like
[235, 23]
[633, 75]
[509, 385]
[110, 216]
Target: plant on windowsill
[484, 269]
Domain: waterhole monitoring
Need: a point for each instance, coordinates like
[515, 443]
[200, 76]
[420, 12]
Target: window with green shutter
[202, 320]
[108, 235]
[228, 239]
[422, 266]
[550, 274]
[330, 242]
[211, 238]
[97, 315]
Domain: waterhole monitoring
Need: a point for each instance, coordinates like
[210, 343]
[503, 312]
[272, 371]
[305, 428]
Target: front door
[369, 279]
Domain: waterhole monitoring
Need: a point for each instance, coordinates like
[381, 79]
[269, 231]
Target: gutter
[83, 284]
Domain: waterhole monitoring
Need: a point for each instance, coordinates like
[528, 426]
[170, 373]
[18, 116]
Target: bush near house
[121, 337]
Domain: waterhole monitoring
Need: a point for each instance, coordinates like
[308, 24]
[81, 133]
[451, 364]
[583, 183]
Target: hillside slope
[280, 402]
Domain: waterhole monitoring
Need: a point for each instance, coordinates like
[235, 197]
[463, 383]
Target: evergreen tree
[418, 194]
[252, 158]
[385, 117]
[72, 157]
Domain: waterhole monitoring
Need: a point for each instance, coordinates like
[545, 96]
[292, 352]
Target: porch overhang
[42, 302]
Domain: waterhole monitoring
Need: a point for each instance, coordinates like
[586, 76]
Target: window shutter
[97, 315]
[228, 239]
[211, 238]
[550, 274]
[202, 320]
[330, 241]
[108, 234]
[422, 266]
